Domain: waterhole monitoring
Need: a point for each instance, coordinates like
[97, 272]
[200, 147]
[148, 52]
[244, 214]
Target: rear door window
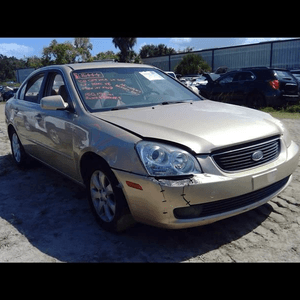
[246, 76]
[227, 78]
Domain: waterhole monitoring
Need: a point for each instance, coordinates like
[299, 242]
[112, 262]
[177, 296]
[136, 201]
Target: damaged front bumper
[207, 197]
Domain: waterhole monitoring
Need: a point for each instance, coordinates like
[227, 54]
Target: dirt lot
[45, 217]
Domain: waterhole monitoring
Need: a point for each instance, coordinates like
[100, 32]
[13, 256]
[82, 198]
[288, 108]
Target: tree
[83, 47]
[187, 49]
[192, 64]
[65, 53]
[162, 49]
[57, 53]
[8, 65]
[125, 45]
[153, 50]
[147, 51]
[106, 55]
[34, 62]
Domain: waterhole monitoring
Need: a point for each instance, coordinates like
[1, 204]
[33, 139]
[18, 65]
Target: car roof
[91, 65]
[95, 65]
[82, 66]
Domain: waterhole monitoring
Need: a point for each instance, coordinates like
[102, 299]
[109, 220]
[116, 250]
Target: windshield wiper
[119, 107]
[171, 102]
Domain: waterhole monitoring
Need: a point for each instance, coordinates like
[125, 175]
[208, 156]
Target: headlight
[165, 160]
[286, 135]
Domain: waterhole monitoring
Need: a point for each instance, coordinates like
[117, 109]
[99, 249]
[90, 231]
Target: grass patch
[289, 112]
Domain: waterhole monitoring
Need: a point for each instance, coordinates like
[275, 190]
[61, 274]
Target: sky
[26, 47]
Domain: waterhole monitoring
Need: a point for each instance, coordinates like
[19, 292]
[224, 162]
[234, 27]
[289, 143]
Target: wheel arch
[88, 160]
[253, 93]
[10, 130]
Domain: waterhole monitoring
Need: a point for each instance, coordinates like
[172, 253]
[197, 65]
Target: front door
[56, 128]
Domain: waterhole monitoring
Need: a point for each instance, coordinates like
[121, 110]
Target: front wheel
[107, 200]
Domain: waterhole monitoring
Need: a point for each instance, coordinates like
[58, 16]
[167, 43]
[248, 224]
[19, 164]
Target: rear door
[244, 83]
[27, 116]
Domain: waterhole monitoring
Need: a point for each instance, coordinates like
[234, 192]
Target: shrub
[268, 109]
[293, 109]
[192, 64]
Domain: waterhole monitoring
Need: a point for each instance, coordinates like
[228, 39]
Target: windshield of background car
[107, 88]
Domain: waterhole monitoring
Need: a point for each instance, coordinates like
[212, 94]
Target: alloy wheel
[103, 197]
[16, 147]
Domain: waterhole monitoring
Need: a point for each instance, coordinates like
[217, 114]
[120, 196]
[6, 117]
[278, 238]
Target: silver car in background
[147, 148]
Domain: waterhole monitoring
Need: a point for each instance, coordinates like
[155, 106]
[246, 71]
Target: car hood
[203, 126]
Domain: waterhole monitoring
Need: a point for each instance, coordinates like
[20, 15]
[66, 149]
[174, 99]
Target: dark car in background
[7, 93]
[253, 87]
[296, 74]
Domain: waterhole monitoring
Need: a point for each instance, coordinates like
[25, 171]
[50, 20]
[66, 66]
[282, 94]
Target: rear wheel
[107, 200]
[18, 152]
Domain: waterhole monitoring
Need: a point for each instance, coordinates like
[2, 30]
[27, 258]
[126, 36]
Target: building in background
[276, 54]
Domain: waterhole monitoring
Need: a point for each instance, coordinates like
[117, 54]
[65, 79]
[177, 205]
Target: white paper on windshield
[151, 75]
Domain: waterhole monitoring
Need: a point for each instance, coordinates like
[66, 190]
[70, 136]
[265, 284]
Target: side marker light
[134, 185]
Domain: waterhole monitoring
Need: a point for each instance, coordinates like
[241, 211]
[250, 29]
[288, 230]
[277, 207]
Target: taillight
[274, 84]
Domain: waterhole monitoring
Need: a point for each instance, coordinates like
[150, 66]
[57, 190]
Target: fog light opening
[189, 212]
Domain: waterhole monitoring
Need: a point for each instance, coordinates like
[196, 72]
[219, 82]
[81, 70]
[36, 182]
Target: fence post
[212, 60]
[271, 54]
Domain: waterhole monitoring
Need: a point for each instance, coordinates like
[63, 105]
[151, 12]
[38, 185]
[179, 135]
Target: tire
[107, 201]
[18, 153]
[256, 100]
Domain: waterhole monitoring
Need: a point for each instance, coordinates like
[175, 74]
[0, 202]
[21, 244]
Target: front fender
[116, 146]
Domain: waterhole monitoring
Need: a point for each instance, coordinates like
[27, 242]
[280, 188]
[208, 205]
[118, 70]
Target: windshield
[114, 88]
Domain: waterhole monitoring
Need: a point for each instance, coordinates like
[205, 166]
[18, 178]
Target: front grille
[227, 205]
[241, 157]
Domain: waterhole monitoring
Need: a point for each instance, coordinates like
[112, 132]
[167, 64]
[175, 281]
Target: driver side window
[56, 86]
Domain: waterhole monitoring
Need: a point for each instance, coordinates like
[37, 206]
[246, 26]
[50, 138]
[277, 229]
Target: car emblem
[257, 155]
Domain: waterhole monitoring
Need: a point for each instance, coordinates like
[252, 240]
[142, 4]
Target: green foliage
[192, 64]
[268, 109]
[153, 50]
[288, 112]
[8, 65]
[64, 53]
[125, 45]
[82, 47]
[106, 55]
[34, 62]
[293, 109]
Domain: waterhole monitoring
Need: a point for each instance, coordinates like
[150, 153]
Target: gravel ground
[45, 217]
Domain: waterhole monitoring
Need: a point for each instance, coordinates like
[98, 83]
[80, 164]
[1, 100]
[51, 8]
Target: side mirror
[55, 102]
